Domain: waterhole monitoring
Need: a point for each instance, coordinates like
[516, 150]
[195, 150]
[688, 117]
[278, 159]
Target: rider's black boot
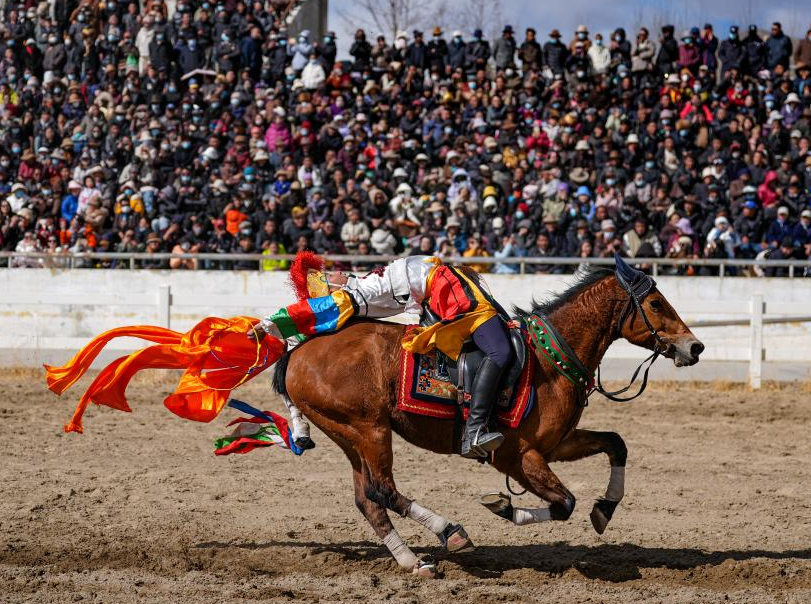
[476, 440]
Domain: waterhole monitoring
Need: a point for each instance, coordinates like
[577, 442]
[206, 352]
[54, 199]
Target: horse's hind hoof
[498, 503]
[425, 567]
[455, 539]
[601, 514]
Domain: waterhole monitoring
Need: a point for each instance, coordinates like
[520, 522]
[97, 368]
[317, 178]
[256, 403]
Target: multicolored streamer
[262, 429]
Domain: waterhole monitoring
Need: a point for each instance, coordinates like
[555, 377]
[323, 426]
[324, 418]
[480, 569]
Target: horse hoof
[498, 503]
[305, 443]
[601, 514]
[425, 567]
[456, 540]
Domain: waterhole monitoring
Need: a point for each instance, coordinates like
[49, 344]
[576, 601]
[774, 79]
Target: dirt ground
[138, 509]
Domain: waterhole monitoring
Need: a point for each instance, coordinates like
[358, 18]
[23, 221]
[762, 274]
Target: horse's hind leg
[584, 443]
[377, 460]
[378, 517]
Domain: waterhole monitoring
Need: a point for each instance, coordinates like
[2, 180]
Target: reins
[554, 348]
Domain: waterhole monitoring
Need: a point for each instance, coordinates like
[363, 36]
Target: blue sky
[605, 15]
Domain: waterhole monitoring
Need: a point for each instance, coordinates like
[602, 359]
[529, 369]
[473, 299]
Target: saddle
[462, 371]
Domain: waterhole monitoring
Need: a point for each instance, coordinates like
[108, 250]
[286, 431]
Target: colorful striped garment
[314, 315]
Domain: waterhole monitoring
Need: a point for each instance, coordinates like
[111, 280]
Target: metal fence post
[165, 306]
[756, 341]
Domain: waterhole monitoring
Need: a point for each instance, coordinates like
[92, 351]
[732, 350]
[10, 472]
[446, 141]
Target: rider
[457, 297]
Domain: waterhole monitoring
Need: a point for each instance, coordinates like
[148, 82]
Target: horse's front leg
[584, 443]
[533, 473]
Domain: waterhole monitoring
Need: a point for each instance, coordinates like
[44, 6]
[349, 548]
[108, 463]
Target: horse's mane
[584, 279]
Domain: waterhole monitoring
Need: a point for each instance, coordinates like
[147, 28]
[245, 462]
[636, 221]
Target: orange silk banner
[216, 354]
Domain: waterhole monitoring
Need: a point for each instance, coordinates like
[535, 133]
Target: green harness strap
[552, 347]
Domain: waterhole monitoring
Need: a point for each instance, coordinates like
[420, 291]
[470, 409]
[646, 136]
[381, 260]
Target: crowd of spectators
[190, 126]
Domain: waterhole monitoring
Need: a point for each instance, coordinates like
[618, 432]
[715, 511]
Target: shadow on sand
[607, 562]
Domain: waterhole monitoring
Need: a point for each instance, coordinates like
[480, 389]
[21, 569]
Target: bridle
[636, 291]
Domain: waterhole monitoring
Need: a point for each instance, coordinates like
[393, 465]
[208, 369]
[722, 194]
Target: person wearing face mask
[732, 52]
[160, 51]
[437, 52]
[313, 76]
[620, 50]
[190, 56]
[327, 51]
[457, 51]
[55, 57]
[689, 53]
[477, 53]
[555, 54]
[227, 53]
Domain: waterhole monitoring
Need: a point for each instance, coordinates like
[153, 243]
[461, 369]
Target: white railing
[133, 260]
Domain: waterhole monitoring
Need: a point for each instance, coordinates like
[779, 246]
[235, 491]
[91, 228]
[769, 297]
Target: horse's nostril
[696, 349]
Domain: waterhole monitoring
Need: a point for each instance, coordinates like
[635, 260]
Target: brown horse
[346, 384]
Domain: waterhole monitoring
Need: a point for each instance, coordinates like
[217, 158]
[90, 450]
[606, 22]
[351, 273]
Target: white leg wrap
[435, 524]
[404, 556]
[298, 425]
[531, 515]
[616, 484]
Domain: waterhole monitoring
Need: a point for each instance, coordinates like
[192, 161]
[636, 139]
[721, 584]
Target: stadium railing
[69, 260]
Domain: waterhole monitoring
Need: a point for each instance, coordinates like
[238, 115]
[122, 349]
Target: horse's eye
[656, 305]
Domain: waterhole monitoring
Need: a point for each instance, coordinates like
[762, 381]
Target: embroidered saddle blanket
[425, 387]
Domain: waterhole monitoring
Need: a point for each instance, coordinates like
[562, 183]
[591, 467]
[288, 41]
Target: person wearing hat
[530, 52]
[780, 228]
[581, 35]
[722, 240]
[555, 54]
[478, 52]
[792, 110]
[802, 232]
[457, 52]
[416, 54]
[437, 52]
[732, 52]
[708, 44]
[504, 49]
[787, 250]
[668, 57]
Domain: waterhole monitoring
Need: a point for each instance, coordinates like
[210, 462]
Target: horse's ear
[625, 270]
[633, 278]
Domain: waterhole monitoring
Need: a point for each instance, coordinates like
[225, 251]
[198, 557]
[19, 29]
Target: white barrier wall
[45, 315]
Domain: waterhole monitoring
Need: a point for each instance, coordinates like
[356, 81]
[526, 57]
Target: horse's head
[650, 321]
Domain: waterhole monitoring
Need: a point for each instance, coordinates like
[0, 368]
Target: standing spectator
[504, 49]
[643, 55]
[802, 52]
[555, 54]
[778, 48]
[732, 53]
[668, 57]
[755, 52]
[709, 48]
[530, 53]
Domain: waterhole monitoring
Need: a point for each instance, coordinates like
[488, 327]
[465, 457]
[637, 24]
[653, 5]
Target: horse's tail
[280, 375]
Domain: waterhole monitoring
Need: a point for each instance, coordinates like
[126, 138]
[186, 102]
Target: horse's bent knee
[618, 453]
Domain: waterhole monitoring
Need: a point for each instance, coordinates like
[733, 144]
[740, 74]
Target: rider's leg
[491, 338]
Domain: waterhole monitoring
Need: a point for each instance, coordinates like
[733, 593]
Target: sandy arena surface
[138, 509]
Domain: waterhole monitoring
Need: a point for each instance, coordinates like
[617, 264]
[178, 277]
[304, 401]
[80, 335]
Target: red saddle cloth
[421, 391]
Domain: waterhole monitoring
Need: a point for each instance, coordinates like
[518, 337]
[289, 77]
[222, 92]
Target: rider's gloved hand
[257, 334]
